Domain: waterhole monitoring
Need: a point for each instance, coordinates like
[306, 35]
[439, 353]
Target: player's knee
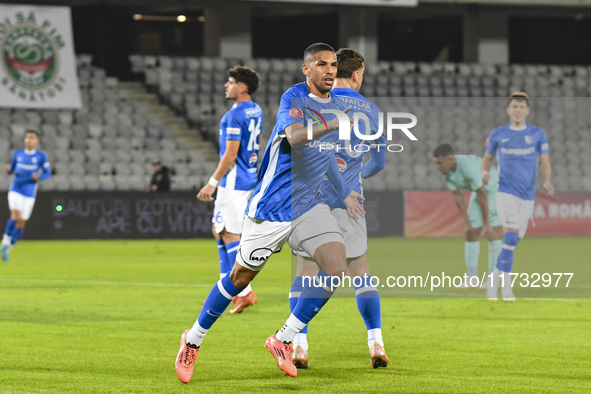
[241, 276]
[215, 234]
[473, 235]
[15, 215]
[20, 224]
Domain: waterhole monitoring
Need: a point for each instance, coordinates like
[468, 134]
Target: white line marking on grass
[106, 283]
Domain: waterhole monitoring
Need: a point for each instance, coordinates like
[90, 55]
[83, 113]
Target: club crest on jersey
[253, 159]
[296, 113]
[342, 165]
[34, 160]
[529, 139]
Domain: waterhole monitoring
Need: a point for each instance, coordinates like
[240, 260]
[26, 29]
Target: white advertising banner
[38, 66]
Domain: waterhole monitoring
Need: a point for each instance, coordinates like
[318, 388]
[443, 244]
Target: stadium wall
[434, 214]
[140, 215]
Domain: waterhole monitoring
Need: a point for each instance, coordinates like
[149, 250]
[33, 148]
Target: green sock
[471, 254]
[494, 249]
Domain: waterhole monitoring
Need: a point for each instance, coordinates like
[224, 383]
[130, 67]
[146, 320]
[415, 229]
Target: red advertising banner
[434, 214]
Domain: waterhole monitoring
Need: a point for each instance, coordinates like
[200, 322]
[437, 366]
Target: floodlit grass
[106, 317]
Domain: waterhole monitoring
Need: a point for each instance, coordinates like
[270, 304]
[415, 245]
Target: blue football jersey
[517, 153]
[290, 178]
[349, 153]
[244, 123]
[23, 164]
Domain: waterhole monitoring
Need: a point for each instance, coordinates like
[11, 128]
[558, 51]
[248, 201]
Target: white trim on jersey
[273, 158]
[231, 177]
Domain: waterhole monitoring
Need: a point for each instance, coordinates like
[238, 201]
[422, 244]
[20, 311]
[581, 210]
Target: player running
[517, 146]
[463, 172]
[236, 174]
[286, 205]
[349, 156]
[29, 166]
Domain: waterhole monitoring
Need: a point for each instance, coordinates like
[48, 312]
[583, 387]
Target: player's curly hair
[519, 96]
[247, 76]
[348, 61]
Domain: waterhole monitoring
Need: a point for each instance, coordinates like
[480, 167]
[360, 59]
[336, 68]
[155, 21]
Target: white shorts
[354, 233]
[229, 208]
[18, 202]
[514, 212]
[261, 238]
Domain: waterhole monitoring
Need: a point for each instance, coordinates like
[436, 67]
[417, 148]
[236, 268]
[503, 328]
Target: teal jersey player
[464, 172]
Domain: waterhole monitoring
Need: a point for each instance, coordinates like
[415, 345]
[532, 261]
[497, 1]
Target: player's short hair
[313, 49]
[348, 61]
[247, 76]
[443, 150]
[519, 96]
[32, 131]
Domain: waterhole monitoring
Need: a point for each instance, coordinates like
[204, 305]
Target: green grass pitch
[106, 317]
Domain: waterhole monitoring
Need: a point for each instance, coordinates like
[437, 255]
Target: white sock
[245, 292]
[301, 340]
[374, 336]
[6, 239]
[292, 326]
[196, 334]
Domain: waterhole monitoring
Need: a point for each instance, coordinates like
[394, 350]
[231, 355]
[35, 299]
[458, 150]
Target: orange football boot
[379, 359]
[241, 303]
[282, 353]
[185, 360]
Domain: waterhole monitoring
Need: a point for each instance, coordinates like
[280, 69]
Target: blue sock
[294, 297]
[217, 302]
[505, 261]
[16, 234]
[9, 227]
[232, 250]
[368, 303]
[313, 297]
[225, 266]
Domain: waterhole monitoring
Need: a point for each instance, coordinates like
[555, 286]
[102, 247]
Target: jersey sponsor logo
[253, 159]
[317, 117]
[233, 130]
[342, 165]
[296, 113]
[30, 167]
[545, 146]
[260, 255]
[518, 152]
[529, 139]
[505, 139]
[360, 104]
[487, 143]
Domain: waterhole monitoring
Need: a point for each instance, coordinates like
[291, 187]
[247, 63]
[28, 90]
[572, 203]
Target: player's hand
[205, 194]
[468, 229]
[354, 208]
[333, 124]
[7, 168]
[485, 177]
[35, 176]
[489, 233]
[549, 188]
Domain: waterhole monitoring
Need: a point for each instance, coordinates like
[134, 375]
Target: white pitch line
[106, 283]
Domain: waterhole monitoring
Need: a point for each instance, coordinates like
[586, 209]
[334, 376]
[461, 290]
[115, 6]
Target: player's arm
[228, 158]
[489, 233]
[46, 170]
[376, 163]
[9, 168]
[546, 173]
[350, 198]
[486, 164]
[297, 133]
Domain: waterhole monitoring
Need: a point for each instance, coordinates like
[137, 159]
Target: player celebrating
[29, 166]
[236, 174]
[349, 155]
[463, 172]
[517, 146]
[286, 206]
